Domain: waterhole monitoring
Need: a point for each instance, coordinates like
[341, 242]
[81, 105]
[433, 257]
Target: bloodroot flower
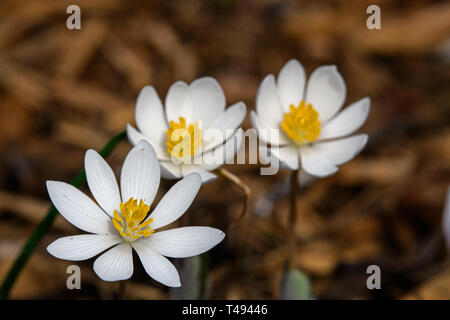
[194, 133]
[122, 220]
[313, 132]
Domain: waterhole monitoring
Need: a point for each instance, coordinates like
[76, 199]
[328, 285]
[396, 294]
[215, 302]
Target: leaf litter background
[62, 92]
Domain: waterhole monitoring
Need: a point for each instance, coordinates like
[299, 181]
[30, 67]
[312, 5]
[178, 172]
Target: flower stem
[292, 218]
[46, 223]
[122, 290]
[245, 188]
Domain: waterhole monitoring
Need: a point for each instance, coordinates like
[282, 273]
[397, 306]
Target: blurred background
[64, 91]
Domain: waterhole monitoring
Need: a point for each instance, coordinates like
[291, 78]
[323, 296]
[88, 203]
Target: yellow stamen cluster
[183, 141]
[301, 124]
[129, 221]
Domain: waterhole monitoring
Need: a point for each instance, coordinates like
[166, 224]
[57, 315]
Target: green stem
[122, 291]
[292, 220]
[46, 223]
[204, 263]
[245, 188]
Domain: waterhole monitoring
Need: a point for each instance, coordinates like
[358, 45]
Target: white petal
[205, 175]
[179, 102]
[291, 84]
[149, 115]
[135, 136]
[140, 174]
[176, 201]
[232, 117]
[347, 121]
[169, 170]
[184, 242]
[286, 157]
[102, 182]
[157, 266]
[81, 247]
[224, 153]
[342, 150]
[208, 100]
[268, 104]
[115, 264]
[326, 91]
[234, 145]
[78, 208]
[271, 135]
[315, 163]
[226, 125]
[446, 218]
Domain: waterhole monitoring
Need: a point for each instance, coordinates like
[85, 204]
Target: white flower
[314, 134]
[120, 220]
[199, 109]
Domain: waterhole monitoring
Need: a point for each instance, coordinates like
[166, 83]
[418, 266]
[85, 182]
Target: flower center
[129, 221]
[183, 141]
[301, 124]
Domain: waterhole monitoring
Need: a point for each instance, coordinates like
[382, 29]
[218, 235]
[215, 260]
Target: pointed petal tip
[147, 87]
[144, 144]
[50, 183]
[328, 174]
[195, 179]
[267, 78]
[221, 235]
[143, 159]
[366, 102]
[175, 284]
[332, 67]
[293, 63]
[90, 155]
[270, 78]
[209, 178]
[52, 186]
[50, 249]
[205, 78]
[179, 83]
[242, 106]
[293, 60]
[365, 138]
